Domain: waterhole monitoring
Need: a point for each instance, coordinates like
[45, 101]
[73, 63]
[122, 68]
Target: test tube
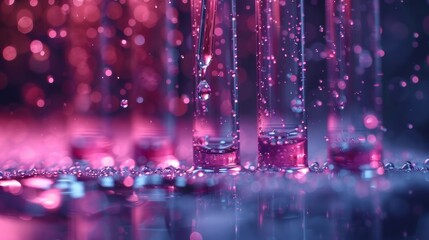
[155, 39]
[282, 127]
[354, 78]
[100, 78]
[216, 126]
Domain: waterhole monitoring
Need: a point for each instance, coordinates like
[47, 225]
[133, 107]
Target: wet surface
[173, 204]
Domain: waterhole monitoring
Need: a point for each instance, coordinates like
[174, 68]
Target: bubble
[9, 53]
[124, 103]
[36, 46]
[408, 166]
[370, 121]
[169, 172]
[139, 40]
[389, 166]
[203, 90]
[426, 164]
[315, 167]
[50, 79]
[140, 100]
[297, 105]
[327, 166]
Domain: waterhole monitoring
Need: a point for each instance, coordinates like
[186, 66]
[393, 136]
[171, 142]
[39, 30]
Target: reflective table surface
[138, 203]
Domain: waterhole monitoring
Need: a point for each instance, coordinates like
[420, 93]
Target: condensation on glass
[216, 126]
[282, 129]
[354, 78]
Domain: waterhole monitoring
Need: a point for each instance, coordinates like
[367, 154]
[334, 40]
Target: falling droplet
[297, 105]
[124, 103]
[408, 166]
[389, 166]
[204, 90]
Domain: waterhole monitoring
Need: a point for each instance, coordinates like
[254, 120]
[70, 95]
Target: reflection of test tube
[154, 42]
[217, 214]
[282, 137]
[354, 120]
[216, 127]
[282, 215]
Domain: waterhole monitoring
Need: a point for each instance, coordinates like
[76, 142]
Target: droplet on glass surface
[124, 103]
[297, 105]
[203, 90]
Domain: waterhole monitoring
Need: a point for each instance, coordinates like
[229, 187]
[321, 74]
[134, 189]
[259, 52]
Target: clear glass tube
[95, 99]
[354, 77]
[216, 127]
[154, 44]
[282, 130]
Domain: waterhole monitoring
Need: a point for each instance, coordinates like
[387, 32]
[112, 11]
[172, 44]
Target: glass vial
[354, 78]
[216, 127]
[154, 43]
[282, 130]
[95, 101]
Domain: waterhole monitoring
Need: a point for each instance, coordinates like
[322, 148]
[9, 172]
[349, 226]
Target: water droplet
[204, 90]
[408, 166]
[124, 103]
[341, 101]
[169, 172]
[297, 105]
[389, 166]
[315, 167]
[426, 164]
[327, 166]
[321, 28]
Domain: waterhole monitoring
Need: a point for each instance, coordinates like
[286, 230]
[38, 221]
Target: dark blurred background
[36, 83]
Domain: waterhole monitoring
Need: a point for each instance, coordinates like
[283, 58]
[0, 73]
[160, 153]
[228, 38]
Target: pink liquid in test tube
[354, 77]
[216, 126]
[282, 127]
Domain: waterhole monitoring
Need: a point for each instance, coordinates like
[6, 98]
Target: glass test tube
[282, 136]
[155, 40]
[354, 77]
[99, 75]
[216, 127]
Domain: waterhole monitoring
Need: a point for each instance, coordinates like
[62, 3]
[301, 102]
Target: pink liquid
[216, 159]
[282, 153]
[94, 149]
[355, 157]
[154, 152]
[86, 146]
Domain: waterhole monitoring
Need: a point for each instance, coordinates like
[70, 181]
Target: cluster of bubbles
[82, 171]
[408, 166]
